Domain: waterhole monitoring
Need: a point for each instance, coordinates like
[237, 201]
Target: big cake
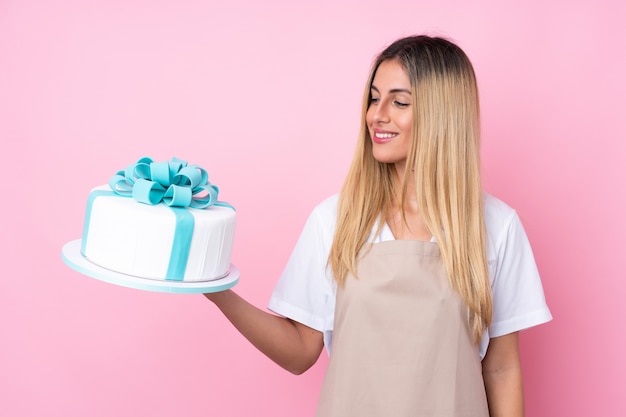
[160, 221]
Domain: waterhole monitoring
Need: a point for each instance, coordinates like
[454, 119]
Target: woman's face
[389, 116]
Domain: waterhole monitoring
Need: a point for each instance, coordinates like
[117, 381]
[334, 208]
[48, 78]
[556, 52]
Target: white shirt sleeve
[518, 298]
[305, 291]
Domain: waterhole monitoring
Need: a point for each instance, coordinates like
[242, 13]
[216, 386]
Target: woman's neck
[404, 218]
[410, 192]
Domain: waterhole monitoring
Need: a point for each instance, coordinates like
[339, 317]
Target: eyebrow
[393, 90]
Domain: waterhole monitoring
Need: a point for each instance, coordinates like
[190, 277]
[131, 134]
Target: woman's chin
[386, 158]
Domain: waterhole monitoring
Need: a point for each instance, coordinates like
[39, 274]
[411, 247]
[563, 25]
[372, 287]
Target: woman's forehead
[391, 75]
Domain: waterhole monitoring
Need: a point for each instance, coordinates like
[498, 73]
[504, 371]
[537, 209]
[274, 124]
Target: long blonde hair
[444, 161]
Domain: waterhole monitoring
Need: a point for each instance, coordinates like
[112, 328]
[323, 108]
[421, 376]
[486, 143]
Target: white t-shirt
[306, 290]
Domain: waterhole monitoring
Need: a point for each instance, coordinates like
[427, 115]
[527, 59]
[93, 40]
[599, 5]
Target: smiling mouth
[383, 137]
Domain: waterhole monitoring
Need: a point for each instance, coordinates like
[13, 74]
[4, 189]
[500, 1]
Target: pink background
[266, 96]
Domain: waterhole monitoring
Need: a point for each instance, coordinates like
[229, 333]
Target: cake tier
[157, 241]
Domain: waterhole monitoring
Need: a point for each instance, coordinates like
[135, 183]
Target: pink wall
[266, 96]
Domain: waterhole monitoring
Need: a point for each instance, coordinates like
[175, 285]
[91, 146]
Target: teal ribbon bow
[173, 183]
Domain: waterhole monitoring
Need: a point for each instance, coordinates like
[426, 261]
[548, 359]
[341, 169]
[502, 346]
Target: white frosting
[136, 239]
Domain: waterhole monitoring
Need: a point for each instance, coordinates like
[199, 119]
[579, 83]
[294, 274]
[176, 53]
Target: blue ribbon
[173, 183]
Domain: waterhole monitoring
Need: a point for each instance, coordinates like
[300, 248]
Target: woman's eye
[401, 103]
[374, 100]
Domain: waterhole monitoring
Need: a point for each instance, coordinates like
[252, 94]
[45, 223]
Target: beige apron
[401, 342]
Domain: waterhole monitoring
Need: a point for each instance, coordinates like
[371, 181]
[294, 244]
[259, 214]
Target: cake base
[74, 259]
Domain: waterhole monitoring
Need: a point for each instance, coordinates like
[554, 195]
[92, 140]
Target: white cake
[156, 241]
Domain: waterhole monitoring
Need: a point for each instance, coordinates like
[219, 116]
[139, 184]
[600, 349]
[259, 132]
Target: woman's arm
[502, 374]
[290, 344]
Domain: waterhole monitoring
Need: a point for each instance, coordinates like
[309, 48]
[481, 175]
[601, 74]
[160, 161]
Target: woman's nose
[381, 113]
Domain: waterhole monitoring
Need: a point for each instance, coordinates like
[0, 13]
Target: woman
[415, 280]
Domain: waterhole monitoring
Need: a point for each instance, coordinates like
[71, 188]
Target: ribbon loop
[148, 192]
[160, 172]
[189, 177]
[173, 183]
[177, 196]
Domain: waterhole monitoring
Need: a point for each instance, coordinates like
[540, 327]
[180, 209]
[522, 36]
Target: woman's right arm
[290, 344]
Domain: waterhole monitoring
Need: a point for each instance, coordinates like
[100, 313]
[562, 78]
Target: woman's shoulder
[496, 209]
[323, 217]
[499, 217]
[327, 208]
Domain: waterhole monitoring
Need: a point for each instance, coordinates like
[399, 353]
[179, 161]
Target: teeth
[385, 135]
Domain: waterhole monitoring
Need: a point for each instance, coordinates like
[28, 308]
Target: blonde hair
[443, 159]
